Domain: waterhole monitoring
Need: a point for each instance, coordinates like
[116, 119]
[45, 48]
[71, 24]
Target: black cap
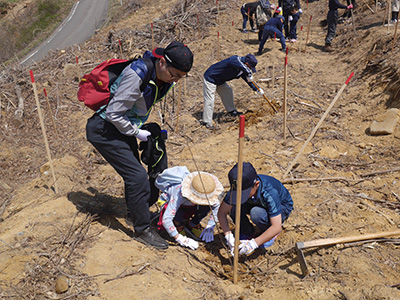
[249, 178]
[177, 55]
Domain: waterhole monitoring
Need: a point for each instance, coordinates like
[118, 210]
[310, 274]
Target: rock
[62, 284]
[386, 124]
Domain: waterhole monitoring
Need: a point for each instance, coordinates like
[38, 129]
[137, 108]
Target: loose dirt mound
[345, 183]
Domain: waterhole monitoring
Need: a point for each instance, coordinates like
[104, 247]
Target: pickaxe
[300, 246]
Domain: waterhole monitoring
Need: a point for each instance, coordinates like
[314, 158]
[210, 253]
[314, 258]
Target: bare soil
[345, 182]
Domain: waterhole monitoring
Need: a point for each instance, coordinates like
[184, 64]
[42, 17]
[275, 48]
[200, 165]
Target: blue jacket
[335, 4]
[275, 23]
[272, 196]
[230, 68]
[130, 108]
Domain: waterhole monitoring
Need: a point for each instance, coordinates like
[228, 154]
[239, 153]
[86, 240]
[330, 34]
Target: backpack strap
[150, 69]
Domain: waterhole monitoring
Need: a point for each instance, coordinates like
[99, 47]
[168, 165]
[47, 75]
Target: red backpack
[94, 88]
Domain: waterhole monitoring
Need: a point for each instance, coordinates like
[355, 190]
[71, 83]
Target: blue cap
[249, 178]
[252, 61]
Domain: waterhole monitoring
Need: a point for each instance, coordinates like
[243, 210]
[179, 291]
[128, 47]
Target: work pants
[332, 19]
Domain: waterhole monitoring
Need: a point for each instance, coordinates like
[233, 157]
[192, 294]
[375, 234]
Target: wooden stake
[184, 83]
[43, 131]
[384, 15]
[238, 199]
[395, 35]
[120, 48]
[152, 37]
[218, 44]
[179, 105]
[273, 75]
[352, 21]
[78, 69]
[285, 96]
[308, 33]
[51, 114]
[198, 24]
[217, 13]
[318, 125]
[388, 16]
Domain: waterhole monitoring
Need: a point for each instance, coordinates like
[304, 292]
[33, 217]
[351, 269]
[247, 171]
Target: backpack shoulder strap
[150, 69]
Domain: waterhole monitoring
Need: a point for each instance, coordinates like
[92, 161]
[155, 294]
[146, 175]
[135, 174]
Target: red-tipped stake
[238, 199]
[285, 96]
[318, 125]
[218, 44]
[308, 32]
[120, 48]
[78, 71]
[43, 130]
[51, 114]
[152, 37]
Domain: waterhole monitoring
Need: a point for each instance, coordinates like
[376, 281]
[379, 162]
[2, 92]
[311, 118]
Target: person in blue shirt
[248, 10]
[215, 79]
[113, 130]
[271, 28]
[332, 19]
[265, 199]
[287, 6]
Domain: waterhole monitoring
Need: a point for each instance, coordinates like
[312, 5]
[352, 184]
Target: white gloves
[247, 246]
[260, 92]
[207, 235]
[230, 240]
[290, 18]
[142, 134]
[250, 78]
[300, 11]
[187, 242]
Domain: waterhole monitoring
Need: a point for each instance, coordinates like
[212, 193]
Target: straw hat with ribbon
[202, 188]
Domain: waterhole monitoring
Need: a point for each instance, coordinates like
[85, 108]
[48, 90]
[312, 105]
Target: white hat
[202, 188]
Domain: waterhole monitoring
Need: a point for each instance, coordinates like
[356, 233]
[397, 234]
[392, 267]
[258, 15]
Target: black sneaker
[235, 113]
[150, 237]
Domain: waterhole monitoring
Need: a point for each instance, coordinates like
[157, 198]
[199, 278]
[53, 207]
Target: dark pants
[270, 32]
[121, 152]
[194, 213]
[246, 17]
[293, 26]
[286, 14]
[332, 19]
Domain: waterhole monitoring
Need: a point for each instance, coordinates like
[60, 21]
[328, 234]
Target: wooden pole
[389, 14]
[308, 33]
[120, 48]
[352, 21]
[285, 96]
[179, 105]
[51, 114]
[152, 36]
[395, 35]
[238, 199]
[218, 44]
[265, 97]
[217, 12]
[384, 15]
[198, 24]
[318, 125]
[43, 131]
[273, 75]
[78, 69]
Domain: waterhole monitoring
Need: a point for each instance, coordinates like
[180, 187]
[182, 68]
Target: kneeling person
[267, 202]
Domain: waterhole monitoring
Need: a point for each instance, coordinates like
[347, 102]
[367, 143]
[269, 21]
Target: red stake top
[32, 78]
[241, 126]
[45, 93]
[285, 60]
[348, 79]
[151, 25]
[287, 51]
[76, 59]
[310, 18]
[218, 33]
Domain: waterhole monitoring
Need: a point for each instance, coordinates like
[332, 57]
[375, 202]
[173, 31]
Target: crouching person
[189, 197]
[267, 202]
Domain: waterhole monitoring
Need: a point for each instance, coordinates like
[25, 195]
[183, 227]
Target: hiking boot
[150, 237]
[244, 31]
[235, 113]
[328, 48]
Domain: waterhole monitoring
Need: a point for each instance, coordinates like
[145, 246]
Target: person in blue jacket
[287, 6]
[332, 19]
[265, 199]
[271, 28]
[215, 79]
[248, 10]
[113, 130]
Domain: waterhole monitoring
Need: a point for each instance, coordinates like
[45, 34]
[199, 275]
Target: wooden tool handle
[342, 240]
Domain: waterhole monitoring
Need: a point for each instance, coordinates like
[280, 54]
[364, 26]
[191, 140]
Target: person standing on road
[113, 130]
[265, 199]
[332, 19]
[215, 79]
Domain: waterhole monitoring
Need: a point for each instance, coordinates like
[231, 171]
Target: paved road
[85, 17]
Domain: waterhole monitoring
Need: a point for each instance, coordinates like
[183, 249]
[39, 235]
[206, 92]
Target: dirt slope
[81, 233]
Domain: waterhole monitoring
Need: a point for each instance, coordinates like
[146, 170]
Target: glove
[250, 78]
[207, 235]
[187, 242]
[290, 18]
[300, 11]
[143, 134]
[350, 6]
[247, 246]
[230, 240]
[260, 92]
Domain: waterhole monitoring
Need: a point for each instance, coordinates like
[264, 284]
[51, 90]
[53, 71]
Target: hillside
[345, 183]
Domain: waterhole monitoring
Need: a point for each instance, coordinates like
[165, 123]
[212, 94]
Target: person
[395, 12]
[113, 130]
[248, 10]
[332, 19]
[188, 198]
[293, 19]
[287, 7]
[215, 79]
[265, 199]
[271, 29]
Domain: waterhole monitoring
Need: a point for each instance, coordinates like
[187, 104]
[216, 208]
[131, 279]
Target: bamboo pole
[218, 44]
[152, 36]
[198, 24]
[395, 35]
[285, 96]
[43, 131]
[308, 33]
[318, 125]
[78, 69]
[238, 199]
[179, 105]
[51, 114]
[352, 21]
[273, 75]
